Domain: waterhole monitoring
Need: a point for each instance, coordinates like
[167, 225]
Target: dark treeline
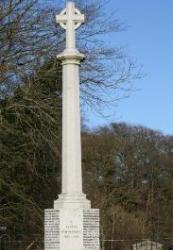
[128, 173]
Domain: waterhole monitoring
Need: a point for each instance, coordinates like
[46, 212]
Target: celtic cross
[70, 19]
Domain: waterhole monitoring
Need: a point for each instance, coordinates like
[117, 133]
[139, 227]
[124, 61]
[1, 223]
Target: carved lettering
[91, 229]
[51, 222]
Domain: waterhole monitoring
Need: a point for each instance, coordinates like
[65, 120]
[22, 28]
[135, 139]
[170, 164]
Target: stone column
[71, 164]
[72, 194]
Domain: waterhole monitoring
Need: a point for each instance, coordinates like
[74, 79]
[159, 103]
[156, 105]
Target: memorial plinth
[72, 229]
[72, 224]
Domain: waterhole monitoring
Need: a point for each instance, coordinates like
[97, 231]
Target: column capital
[71, 57]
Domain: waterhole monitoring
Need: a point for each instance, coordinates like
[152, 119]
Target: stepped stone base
[71, 229]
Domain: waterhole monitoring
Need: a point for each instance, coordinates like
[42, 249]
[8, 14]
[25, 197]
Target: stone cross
[70, 19]
[71, 224]
[72, 195]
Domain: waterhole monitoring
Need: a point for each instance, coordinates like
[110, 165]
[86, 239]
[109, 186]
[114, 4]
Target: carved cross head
[70, 19]
[70, 14]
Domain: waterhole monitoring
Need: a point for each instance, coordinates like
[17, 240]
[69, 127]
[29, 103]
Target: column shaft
[71, 157]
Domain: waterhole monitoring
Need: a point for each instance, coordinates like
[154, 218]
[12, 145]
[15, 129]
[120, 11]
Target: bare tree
[29, 37]
[27, 40]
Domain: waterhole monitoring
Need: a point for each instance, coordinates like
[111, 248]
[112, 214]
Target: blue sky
[150, 41]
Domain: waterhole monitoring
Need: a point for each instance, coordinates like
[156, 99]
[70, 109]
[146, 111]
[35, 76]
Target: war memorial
[71, 224]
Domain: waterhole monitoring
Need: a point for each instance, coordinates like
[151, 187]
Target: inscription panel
[91, 229]
[71, 229]
[52, 229]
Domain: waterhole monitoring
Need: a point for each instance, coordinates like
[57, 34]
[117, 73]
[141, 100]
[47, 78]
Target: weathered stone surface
[52, 229]
[91, 229]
